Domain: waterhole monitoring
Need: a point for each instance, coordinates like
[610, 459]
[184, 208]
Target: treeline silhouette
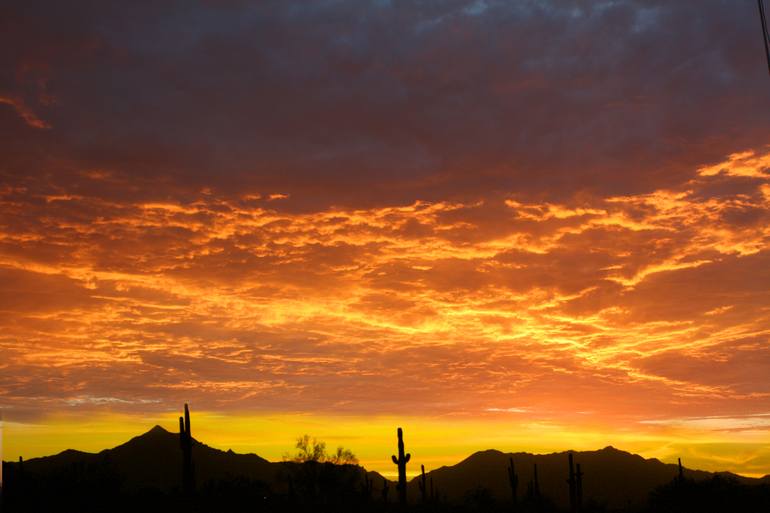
[159, 471]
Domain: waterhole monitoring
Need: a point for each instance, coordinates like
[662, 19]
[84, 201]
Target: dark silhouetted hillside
[145, 474]
[613, 478]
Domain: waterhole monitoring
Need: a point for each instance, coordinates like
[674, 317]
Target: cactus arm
[395, 460]
[407, 458]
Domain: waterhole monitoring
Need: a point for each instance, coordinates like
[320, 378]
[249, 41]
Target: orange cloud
[434, 214]
[640, 308]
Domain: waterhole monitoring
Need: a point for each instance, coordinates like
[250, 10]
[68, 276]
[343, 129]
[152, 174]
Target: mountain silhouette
[613, 478]
[153, 459]
[147, 469]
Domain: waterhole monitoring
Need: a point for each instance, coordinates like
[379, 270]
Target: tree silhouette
[311, 449]
[343, 457]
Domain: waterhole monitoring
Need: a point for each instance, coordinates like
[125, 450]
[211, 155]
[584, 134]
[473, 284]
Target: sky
[523, 225]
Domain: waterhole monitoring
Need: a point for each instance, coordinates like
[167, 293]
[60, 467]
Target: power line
[765, 35]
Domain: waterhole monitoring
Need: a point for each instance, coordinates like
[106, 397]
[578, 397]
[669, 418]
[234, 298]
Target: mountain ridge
[613, 477]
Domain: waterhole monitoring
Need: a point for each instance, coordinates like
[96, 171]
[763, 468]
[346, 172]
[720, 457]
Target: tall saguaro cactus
[185, 442]
[401, 461]
[513, 479]
[681, 471]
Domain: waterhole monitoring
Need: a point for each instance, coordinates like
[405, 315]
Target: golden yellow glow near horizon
[433, 442]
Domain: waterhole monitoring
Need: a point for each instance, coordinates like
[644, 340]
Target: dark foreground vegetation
[162, 471]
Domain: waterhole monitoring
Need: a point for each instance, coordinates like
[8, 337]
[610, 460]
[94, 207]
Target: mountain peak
[152, 440]
[157, 433]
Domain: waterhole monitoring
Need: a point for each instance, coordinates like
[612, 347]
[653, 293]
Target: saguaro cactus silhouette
[422, 484]
[513, 479]
[401, 461]
[578, 487]
[680, 477]
[385, 490]
[21, 483]
[432, 491]
[572, 486]
[185, 442]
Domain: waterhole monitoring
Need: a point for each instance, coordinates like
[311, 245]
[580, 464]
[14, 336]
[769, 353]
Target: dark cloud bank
[370, 102]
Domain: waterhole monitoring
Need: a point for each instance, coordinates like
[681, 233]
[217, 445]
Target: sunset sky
[527, 225]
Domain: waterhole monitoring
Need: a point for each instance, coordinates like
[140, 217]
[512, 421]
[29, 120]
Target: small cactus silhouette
[432, 491]
[422, 484]
[513, 479]
[401, 461]
[680, 477]
[21, 474]
[578, 487]
[533, 490]
[385, 490]
[572, 482]
[185, 442]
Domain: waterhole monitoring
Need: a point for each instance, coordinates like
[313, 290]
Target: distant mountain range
[612, 477]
